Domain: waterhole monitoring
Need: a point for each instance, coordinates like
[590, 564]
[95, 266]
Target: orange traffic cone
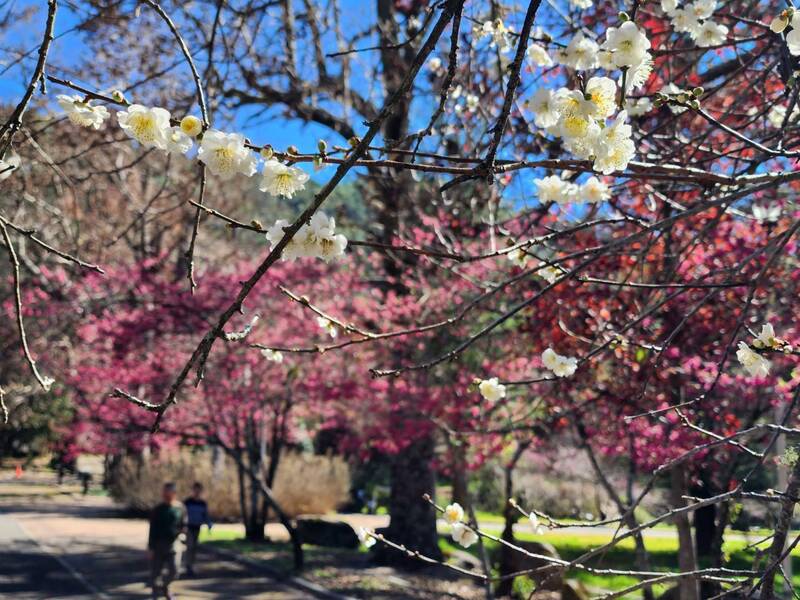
[18, 472]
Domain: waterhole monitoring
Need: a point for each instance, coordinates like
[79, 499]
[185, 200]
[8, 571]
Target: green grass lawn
[662, 552]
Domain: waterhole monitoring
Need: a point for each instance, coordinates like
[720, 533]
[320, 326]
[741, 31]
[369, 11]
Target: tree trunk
[460, 489]
[687, 559]
[413, 522]
[510, 516]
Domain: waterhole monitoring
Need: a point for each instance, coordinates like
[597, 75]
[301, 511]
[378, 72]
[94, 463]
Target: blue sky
[68, 48]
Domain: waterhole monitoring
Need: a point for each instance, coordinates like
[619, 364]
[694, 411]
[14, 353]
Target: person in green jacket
[167, 523]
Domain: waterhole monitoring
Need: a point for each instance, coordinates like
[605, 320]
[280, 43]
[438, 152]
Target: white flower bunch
[491, 389]
[550, 273]
[755, 364]
[329, 326]
[463, 535]
[694, 18]
[561, 366]
[225, 154]
[316, 239]
[538, 55]
[536, 524]
[628, 45]
[453, 513]
[82, 112]
[279, 179]
[272, 355]
[366, 537]
[518, 257]
[579, 119]
[554, 189]
[148, 126]
[580, 54]
[502, 36]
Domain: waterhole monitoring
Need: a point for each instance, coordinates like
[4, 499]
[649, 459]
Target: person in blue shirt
[197, 516]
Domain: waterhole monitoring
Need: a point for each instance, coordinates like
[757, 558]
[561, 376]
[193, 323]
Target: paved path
[53, 551]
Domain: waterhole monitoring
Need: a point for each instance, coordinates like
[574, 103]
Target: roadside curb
[261, 567]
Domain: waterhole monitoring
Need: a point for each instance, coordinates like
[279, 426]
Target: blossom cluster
[788, 18]
[315, 239]
[586, 119]
[224, 154]
[460, 532]
[694, 18]
[754, 363]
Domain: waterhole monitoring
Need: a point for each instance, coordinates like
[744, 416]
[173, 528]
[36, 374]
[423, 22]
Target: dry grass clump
[304, 484]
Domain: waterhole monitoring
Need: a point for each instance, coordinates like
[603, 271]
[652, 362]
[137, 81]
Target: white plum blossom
[315, 239]
[463, 535]
[777, 114]
[272, 355]
[580, 4]
[767, 214]
[703, 9]
[491, 389]
[755, 364]
[614, 148]
[594, 190]
[365, 536]
[191, 126]
[435, 63]
[685, 21]
[582, 147]
[638, 74]
[637, 107]
[580, 53]
[8, 164]
[627, 43]
[279, 179]
[538, 55]
[178, 141]
[553, 189]
[328, 325]
[561, 366]
[81, 112]
[536, 524]
[710, 34]
[519, 257]
[601, 92]
[669, 6]
[497, 30]
[544, 106]
[453, 513]
[225, 154]
[767, 339]
[321, 239]
[576, 111]
[148, 126]
[550, 273]
[793, 37]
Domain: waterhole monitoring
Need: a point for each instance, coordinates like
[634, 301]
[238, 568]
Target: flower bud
[623, 16]
[118, 97]
[698, 91]
[267, 152]
[322, 146]
[191, 125]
